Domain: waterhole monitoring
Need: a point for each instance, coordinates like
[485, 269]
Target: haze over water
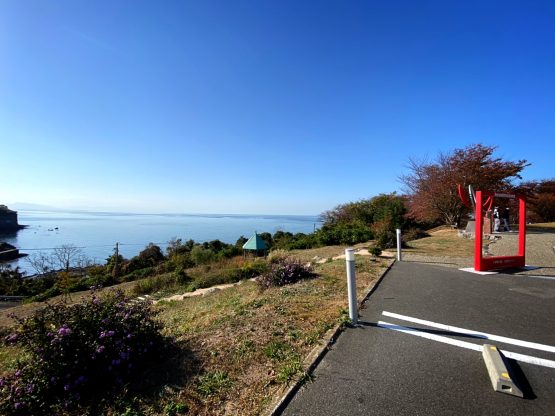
[97, 233]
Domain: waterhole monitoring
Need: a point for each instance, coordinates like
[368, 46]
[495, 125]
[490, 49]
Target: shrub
[302, 241]
[344, 233]
[384, 233]
[179, 261]
[159, 282]
[376, 251]
[79, 354]
[414, 234]
[285, 272]
[253, 269]
[149, 257]
[218, 276]
[276, 256]
[200, 255]
[230, 251]
[138, 274]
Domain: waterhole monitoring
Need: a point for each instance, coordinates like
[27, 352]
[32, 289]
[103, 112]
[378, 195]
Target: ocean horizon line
[166, 214]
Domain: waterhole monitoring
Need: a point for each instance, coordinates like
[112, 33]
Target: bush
[139, 274]
[302, 241]
[179, 261]
[200, 255]
[163, 281]
[384, 233]
[277, 256]
[376, 251]
[79, 354]
[253, 269]
[414, 234]
[149, 257]
[344, 233]
[285, 272]
[223, 275]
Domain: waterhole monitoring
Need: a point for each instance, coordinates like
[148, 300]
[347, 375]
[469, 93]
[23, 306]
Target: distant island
[8, 220]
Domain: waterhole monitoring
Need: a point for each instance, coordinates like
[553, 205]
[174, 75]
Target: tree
[541, 199]
[355, 222]
[368, 211]
[241, 241]
[432, 187]
[267, 237]
[66, 256]
[175, 245]
[349, 212]
[63, 258]
[41, 263]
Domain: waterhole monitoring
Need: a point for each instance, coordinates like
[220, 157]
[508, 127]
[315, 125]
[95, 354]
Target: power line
[93, 246]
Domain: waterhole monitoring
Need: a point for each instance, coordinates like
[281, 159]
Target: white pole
[351, 285]
[399, 254]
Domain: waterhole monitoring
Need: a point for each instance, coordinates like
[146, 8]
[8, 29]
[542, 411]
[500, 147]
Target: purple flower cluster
[64, 330]
[79, 353]
[284, 272]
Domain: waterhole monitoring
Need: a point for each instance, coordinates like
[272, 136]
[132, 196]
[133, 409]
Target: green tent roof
[255, 243]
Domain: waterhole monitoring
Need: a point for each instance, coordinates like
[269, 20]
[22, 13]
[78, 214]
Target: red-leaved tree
[432, 186]
[541, 199]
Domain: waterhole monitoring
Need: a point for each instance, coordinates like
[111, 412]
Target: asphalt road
[372, 370]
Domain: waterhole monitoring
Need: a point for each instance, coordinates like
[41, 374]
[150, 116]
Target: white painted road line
[541, 277]
[477, 334]
[464, 344]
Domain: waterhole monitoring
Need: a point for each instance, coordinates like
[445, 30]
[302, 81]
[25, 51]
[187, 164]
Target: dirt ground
[454, 251]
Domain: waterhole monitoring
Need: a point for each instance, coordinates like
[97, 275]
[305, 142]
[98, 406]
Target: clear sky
[285, 106]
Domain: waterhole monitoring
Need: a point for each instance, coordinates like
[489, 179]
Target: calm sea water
[97, 233]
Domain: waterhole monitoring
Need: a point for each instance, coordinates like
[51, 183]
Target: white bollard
[351, 285]
[399, 254]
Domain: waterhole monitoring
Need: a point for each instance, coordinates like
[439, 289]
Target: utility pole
[115, 270]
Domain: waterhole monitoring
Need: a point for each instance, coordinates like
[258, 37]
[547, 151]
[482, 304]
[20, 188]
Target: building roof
[255, 243]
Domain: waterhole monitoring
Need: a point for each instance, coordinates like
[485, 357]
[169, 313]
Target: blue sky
[262, 106]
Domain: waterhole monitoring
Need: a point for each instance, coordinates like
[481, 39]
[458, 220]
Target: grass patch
[211, 383]
[444, 242]
[545, 226]
[241, 345]
[9, 356]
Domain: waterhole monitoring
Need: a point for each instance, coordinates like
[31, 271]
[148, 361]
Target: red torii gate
[484, 200]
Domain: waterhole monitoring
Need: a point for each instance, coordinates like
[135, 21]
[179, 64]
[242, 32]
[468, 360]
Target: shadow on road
[427, 330]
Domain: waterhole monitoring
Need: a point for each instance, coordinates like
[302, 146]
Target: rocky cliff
[8, 220]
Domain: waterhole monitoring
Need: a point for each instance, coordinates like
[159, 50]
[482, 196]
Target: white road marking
[540, 277]
[477, 334]
[468, 345]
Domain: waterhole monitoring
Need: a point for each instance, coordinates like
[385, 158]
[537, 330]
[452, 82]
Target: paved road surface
[377, 371]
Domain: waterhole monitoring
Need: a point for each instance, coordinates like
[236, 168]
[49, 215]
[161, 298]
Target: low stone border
[317, 354]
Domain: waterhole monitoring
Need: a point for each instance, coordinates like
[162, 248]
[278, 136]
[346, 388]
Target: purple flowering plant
[284, 272]
[79, 353]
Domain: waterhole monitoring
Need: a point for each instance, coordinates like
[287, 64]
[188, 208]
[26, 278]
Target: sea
[96, 233]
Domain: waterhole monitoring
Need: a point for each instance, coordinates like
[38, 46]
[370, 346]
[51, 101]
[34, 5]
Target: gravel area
[456, 262]
[540, 252]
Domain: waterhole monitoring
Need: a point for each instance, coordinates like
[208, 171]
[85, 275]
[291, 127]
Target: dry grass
[239, 347]
[322, 253]
[251, 343]
[545, 226]
[25, 310]
[442, 243]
